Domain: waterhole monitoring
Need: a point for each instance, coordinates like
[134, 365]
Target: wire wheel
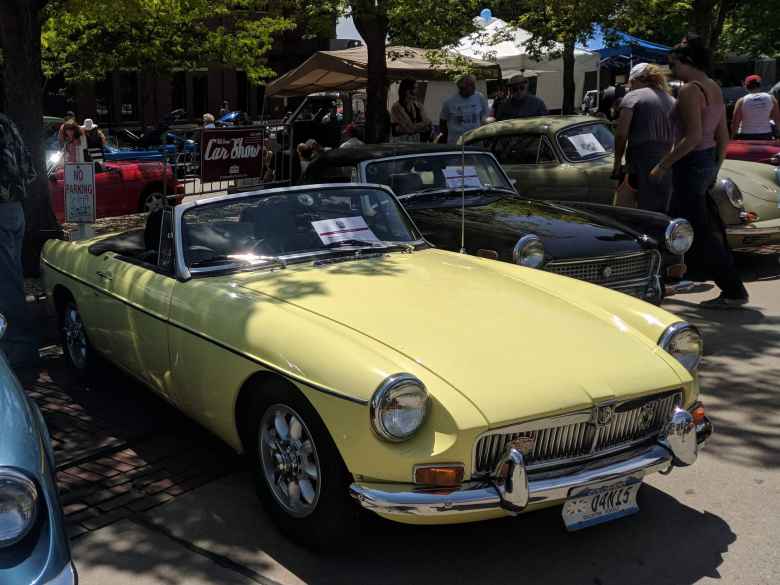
[289, 459]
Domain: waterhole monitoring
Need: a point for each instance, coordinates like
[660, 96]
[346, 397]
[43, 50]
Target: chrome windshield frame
[184, 273]
[363, 165]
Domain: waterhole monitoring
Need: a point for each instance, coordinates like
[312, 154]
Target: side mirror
[3, 325]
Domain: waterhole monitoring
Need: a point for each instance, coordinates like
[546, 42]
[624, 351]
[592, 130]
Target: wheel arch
[61, 295]
[247, 393]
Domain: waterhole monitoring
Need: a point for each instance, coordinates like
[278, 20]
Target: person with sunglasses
[520, 104]
[701, 137]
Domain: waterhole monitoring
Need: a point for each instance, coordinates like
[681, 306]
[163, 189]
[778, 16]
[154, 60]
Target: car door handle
[104, 275]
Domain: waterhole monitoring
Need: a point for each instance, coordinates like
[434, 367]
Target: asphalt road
[716, 522]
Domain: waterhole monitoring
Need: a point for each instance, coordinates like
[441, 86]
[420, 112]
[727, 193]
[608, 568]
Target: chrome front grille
[567, 439]
[609, 271]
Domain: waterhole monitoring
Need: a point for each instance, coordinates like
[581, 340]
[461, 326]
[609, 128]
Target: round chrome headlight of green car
[683, 342]
[529, 251]
[679, 236]
[398, 407]
[18, 506]
[732, 192]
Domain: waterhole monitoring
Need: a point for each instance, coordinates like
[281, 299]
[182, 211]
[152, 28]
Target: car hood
[20, 446]
[516, 342]
[566, 233]
[752, 178]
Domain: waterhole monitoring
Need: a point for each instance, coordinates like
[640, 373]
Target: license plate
[601, 503]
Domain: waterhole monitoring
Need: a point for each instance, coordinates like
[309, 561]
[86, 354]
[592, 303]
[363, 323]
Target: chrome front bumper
[512, 490]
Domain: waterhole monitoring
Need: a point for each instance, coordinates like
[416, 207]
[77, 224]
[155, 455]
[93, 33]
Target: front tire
[152, 201]
[299, 474]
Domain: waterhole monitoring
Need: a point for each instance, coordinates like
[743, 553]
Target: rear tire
[79, 353]
[299, 474]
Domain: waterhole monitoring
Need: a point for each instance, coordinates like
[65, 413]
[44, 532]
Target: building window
[179, 90]
[128, 94]
[200, 93]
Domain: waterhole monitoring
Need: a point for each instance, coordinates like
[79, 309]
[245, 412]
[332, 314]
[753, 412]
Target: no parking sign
[80, 192]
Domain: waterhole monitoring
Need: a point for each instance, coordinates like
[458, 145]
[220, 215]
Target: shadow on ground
[667, 543]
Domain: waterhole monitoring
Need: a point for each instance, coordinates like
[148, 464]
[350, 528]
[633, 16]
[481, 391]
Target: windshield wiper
[358, 245]
[365, 243]
[243, 260]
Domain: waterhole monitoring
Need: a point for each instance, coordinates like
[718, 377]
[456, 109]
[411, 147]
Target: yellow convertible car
[315, 330]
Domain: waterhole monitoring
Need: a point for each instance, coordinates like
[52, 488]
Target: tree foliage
[89, 40]
[556, 27]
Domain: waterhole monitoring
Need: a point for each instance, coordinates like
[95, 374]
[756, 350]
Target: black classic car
[636, 252]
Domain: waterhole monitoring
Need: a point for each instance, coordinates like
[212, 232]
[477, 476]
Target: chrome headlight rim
[523, 245]
[672, 332]
[385, 391]
[672, 231]
[20, 480]
[733, 193]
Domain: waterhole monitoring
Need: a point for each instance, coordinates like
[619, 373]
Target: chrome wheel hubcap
[154, 201]
[75, 338]
[290, 462]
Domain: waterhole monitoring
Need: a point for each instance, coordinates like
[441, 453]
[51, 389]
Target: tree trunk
[569, 86]
[20, 40]
[702, 19]
[373, 29]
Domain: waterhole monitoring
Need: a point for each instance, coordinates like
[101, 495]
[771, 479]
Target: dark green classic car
[630, 250]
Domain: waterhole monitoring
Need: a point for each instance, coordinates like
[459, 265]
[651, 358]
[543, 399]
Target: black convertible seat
[130, 243]
[223, 237]
[404, 183]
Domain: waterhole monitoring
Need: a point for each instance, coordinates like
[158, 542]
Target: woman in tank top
[754, 113]
[701, 137]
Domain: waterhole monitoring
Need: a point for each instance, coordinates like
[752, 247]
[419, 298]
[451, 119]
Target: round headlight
[732, 192]
[529, 251]
[18, 506]
[398, 407]
[683, 341]
[679, 236]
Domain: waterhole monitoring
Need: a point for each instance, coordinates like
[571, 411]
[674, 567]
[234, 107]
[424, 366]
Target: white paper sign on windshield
[462, 177]
[343, 228]
[587, 144]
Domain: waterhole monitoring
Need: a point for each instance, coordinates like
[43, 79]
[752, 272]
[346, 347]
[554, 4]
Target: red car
[762, 151]
[122, 188]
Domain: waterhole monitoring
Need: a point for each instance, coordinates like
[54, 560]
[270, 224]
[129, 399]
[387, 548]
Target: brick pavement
[119, 449]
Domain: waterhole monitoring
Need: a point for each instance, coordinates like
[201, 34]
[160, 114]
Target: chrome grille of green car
[610, 271]
[571, 438]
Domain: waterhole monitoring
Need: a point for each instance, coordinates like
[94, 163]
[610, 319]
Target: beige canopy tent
[347, 70]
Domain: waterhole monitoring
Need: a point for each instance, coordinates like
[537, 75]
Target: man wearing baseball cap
[754, 113]
[520, 104]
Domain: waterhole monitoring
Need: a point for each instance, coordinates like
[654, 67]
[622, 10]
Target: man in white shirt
[753, 113]
[463, 111]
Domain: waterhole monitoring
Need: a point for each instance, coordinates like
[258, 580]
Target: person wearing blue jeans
[16, 172]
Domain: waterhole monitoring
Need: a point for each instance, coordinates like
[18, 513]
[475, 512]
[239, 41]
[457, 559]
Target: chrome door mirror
[3, 325]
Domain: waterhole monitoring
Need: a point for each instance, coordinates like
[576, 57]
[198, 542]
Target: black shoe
[722, 303]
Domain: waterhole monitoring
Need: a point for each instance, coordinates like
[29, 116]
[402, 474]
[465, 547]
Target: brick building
[135, 98]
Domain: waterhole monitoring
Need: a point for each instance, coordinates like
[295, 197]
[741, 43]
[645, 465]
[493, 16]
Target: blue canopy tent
[626, 48]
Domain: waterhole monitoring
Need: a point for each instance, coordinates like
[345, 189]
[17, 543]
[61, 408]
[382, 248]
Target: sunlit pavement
[718, 521]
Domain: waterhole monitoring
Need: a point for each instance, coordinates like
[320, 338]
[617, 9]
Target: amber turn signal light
[698, 414]
[676, 270]
[444, 475]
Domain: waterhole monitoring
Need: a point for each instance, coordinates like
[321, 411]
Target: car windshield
[436, 172]
[264, 228]
[586, 142]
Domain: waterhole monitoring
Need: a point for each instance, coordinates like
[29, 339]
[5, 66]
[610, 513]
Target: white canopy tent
[505, 45]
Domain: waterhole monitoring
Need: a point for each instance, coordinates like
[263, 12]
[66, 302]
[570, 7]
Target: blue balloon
[486, 14]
